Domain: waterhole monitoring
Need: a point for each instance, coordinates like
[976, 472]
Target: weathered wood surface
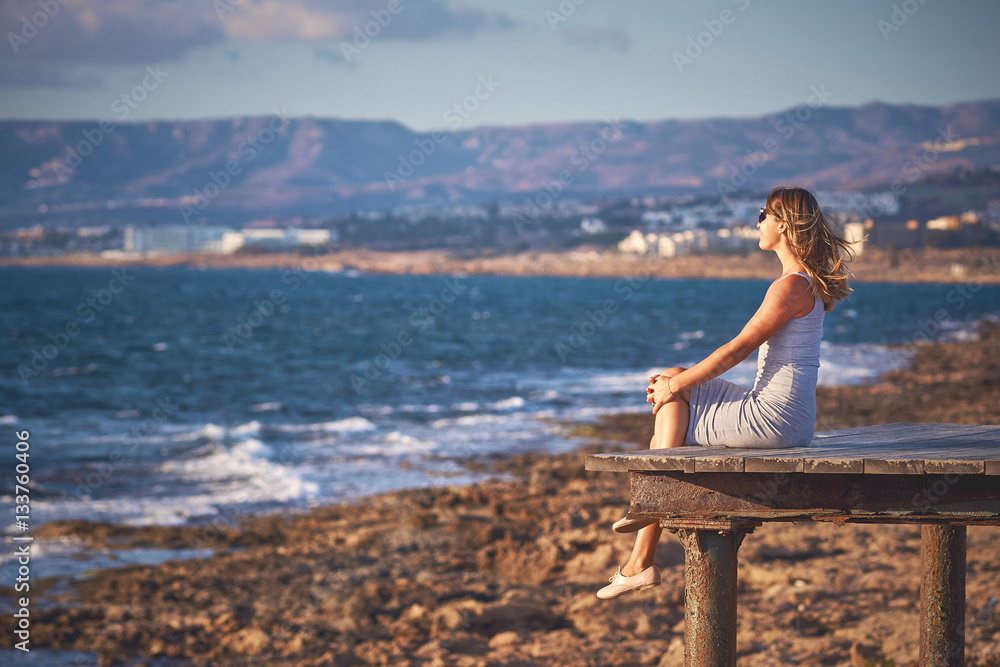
[895, 449]
[680, 499]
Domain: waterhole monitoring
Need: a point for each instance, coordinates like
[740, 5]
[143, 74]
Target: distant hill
[314, 166]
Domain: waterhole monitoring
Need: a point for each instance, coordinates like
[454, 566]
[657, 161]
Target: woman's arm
[783, 299]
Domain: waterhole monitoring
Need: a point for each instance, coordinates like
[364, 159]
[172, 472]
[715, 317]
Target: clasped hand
[658, 392]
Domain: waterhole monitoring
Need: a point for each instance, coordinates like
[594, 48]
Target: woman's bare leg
[669, 431]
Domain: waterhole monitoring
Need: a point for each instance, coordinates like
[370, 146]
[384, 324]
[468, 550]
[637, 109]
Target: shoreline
[504, 572]
[921, 265]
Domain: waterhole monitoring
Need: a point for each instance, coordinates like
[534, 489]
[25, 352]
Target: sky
[505, 63]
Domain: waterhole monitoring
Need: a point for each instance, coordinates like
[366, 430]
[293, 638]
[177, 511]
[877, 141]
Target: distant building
[264, 238]
[635, 243]
[86, 232]
[945, 222]
[311, 236]
[854, 234]
[167, 239]
[898, 234]
[227, 245]
[676, 244]
[657, 218]
[29, 233]
[279, 239]
[593, 226]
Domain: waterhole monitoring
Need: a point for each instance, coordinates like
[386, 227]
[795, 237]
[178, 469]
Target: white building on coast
[166, 239]
[690, 241]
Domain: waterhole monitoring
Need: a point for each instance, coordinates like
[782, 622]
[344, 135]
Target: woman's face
[769, 234]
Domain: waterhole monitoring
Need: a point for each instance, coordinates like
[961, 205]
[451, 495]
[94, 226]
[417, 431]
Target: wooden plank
[625, 461]
[898, 433]
[845, 466]
[954, 466]
[893, 467]
[913, 434]
[718, 464]
[774, 464]
[900, 448]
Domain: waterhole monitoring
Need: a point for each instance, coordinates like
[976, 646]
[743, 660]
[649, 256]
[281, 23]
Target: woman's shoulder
[799, 280]
[797, 292]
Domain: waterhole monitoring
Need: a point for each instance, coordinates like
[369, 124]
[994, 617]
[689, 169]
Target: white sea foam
[250, 428]
[508, 403]
[246, 458]
[394, 444]
[348, 425]
[852, 364]
[8, 419]
[177, 510]
[211, 432]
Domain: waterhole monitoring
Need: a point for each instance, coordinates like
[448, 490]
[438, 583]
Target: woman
[693, 406]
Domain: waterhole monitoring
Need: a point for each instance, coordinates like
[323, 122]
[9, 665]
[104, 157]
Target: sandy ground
[962, 265]
[504, 573]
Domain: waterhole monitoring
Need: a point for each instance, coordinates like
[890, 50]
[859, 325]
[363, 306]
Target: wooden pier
[942, 476]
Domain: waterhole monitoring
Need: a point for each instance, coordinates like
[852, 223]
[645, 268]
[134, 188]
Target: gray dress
[780, 410]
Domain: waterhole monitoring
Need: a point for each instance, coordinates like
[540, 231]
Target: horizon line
[874, 102]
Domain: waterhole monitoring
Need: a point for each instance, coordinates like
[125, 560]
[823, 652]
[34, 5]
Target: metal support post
[710, 558]
[942, 595]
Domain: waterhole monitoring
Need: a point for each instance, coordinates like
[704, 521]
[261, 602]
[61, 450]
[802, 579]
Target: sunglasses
[763, 211]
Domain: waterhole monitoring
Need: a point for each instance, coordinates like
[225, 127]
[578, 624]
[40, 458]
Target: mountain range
[201, 170]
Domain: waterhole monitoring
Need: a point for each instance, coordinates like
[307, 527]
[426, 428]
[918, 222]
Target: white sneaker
[620, 584]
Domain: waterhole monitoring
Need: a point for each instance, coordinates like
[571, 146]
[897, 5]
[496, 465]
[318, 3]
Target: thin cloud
[36, 76]
[129, 33]
[107, 32]
[593, 37]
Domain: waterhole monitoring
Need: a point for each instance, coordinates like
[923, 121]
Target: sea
[162, 396]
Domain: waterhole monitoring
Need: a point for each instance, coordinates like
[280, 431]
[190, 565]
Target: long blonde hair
[815, 244]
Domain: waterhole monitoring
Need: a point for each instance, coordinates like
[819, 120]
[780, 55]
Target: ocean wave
[348, 425]
[508, 403]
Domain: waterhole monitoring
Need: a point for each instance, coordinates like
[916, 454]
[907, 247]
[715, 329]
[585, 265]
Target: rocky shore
[503, 573]
[958, 265]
